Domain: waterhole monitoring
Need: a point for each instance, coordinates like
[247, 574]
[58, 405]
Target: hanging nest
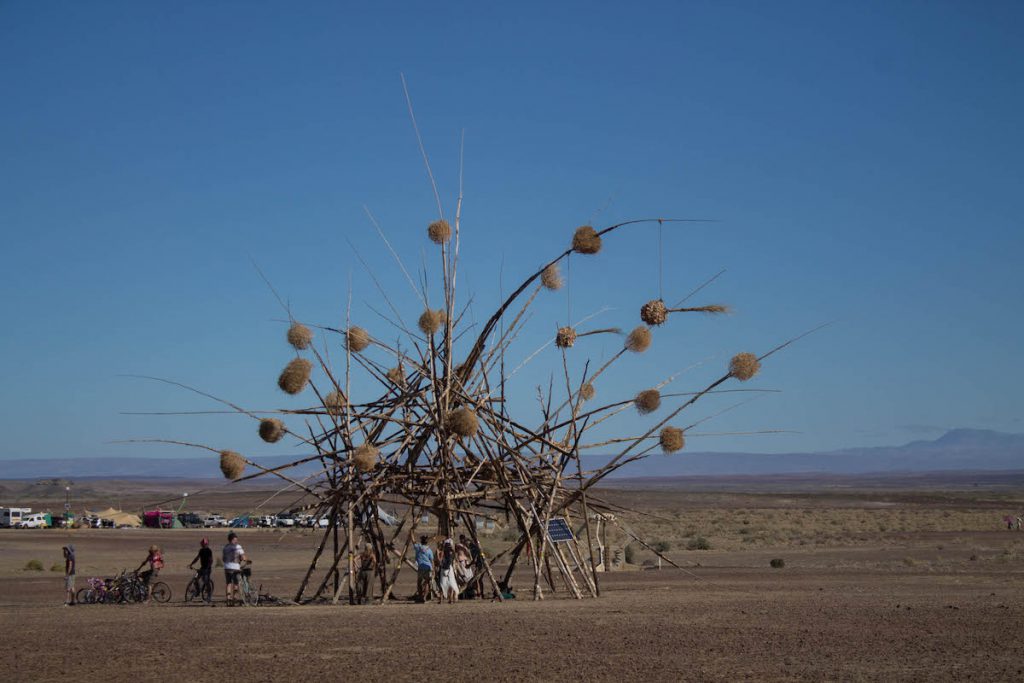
[586, 240]
[300, 336]
[743, 366]
[654, 312]
[551, 278]
[647, 401]
[672, 440]
[365, 457]
[639, 340]
[396, 376]
[357, 339]
[272, 430]
[294, 376]
[587, 391]
[232, 465]
[439, 232]
[565, 338]
[462, 421]
[334, 403]
[431, 321]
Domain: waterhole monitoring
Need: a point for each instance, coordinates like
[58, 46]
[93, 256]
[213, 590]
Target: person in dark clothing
[366, 564]
[205, 559]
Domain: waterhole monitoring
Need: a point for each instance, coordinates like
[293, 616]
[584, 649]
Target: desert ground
[907, 583]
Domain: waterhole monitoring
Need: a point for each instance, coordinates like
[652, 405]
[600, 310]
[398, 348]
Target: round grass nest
[647, 401]
[300, 336]
[743, 366]
[639, 340]
[439, 232]
[232, 464]
[396, 376]
[431, 321]
[672, 439]
[462, 421]
[586, 240]
[654, 312]
[365, 457]
[551, 277]
[272, 430]
[587, 391]
[357, 339]
[334, 403]
[565, 338]
[295, 375]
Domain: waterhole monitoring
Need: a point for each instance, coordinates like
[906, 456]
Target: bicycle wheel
[249, 595]
[161, 592]
[84, 596]
[192, 590]
[207, 592]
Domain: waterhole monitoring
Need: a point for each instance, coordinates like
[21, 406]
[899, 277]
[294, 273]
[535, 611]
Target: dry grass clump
[654, 312]
[365, 457]
[334, 403]
[551, 278]
[743, 366]
[587, 391]
[300, 336]
[431, 321]
[232, 464]
[671, 439]
[439, 232]
[639, 340]
[295, 375]
[272, 430]
[712, 309]
[647, 401]
[462, 421]
[396, 376]
[586, 240]
[565, 338]
[357, 339]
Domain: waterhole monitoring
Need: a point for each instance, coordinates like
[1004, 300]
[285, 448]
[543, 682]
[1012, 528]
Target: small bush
[662, 546]
[57, 567]
[909, 561]
[777, 563]
[33, 566]
[630, 554]
[699, 543]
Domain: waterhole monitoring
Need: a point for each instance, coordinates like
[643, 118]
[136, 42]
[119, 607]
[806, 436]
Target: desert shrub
[909, 561]
[33, 566]
[510, 535]
[777, 563]
[630, 554]
[698, 543]
[219, 563]
[743, 532]
[56, 567]
[662, 546]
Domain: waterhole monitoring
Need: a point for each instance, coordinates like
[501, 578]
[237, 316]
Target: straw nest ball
[587, 391]
[462, 421]
[272, 430]
[334, 403]
[396, 376]
[431, 321]
[672, 439]
[294, 376]
[232, 464]
[439, 232]
[743, 366]
[551, 277]
[300, 336]
[565, 338]
[654, 312]
[586, 240]
[647, 401]
[365, 457]
[357, 339]
[639, 340]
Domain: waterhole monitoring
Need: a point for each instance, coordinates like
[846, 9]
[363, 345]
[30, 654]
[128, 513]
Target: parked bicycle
[199, 588]
[249, 594]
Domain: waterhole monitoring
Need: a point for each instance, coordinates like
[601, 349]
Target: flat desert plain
[878, 585]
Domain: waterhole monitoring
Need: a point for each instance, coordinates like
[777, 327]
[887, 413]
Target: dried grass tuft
[647, 401]
[365, 457]
[654, 312]
[462, 421]
[300, 336]
[712, 309]
[439, 232]
[334, 403]
[639, 340]
[295, 375]
[551, 277]
[586, 240]
[672, 439]
[232, 464]
[565, 338]
[587, 391]
[357, 339]
[272, 430]
[743, 366]
[396, 376]
[431, 321]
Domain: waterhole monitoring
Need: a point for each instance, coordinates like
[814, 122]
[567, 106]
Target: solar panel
[559, 531]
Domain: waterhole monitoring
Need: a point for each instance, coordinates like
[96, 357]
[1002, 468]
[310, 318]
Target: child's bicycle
[199, 588]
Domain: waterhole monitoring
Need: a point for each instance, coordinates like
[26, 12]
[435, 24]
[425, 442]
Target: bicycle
[250, 596]
[198, 588]
[139, 589]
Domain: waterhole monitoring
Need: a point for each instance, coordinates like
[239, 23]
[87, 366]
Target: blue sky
[863, 162]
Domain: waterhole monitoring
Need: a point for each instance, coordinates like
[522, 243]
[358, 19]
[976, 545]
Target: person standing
[424, 569]
[233, 556]
[69, 575]
[205, 559]
[155, 560]
[364, 579]
[448, 583]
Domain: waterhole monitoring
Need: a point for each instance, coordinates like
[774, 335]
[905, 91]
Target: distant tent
[118, 517]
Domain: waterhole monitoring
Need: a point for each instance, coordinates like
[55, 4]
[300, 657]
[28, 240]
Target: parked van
[11, 517]
[35, 520]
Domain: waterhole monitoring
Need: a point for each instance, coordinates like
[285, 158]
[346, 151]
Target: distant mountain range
[957, 449]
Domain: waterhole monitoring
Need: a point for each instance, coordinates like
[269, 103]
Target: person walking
[424, 569]
[367, 563]
[69, 575]
[233, 556]
[449, 584]
[155, 560]
[205, 559]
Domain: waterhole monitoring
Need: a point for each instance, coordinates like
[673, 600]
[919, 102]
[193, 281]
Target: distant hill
[957, 449]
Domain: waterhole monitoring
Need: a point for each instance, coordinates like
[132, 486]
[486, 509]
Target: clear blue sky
[864, 161]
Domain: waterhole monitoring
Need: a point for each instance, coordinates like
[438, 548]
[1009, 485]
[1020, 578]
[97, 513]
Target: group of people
[455, 568]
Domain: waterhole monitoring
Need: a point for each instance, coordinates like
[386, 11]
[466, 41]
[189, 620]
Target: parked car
[285, 520]
[213, 520]
[34, 520]
[190, 520]
[268, 521]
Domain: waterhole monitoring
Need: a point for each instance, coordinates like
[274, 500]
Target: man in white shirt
[233, 557]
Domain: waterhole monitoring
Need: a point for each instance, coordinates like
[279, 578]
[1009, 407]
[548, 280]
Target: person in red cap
[205, 559]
